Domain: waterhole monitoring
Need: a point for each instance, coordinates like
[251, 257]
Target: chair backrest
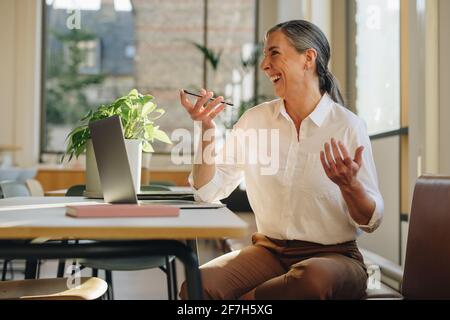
[427, 264]
[10, 189]
[76, 190]
[35, 188]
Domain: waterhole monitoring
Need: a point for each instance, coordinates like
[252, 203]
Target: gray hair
[304, 35]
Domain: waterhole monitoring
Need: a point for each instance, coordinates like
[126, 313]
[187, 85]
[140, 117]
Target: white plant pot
[134, 153]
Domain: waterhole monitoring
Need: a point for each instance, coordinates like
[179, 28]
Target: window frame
[403, 131]
[43, 122]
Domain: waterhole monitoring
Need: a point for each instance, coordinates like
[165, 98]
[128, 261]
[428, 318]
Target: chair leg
[62, 263]
[11, 268]
[169, 279]
[38, 269]
[61, 268]
[30, 269]
[74, 262]
[5, 269]
[109, 281]
[174, 279]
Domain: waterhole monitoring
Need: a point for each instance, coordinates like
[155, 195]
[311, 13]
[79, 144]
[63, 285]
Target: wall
[290, 10]
[321, 16]
[7, 65]
[339, 48]
[385, 241]
[432, 87]
[20, 81]
[444, 79]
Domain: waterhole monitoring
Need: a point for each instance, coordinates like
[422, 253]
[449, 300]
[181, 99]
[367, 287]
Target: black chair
[11, 189]
[75, 191]
[165, 263]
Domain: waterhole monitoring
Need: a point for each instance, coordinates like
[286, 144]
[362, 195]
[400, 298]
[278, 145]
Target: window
[154, 46]
[91, 56]
[377, 64]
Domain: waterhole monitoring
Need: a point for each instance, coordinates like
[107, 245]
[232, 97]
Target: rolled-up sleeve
[376, 219]
[225, 180]
[368, 177]
[228, 175]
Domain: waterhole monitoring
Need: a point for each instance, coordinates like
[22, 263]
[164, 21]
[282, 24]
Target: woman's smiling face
[283, 64]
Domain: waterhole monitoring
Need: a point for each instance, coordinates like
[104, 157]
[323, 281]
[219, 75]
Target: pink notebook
[121, 210]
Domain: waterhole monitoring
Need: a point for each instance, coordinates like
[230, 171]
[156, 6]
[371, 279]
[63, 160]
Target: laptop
[115, 174]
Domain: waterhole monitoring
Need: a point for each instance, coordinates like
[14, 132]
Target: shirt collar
[317, 116]
[322, 110]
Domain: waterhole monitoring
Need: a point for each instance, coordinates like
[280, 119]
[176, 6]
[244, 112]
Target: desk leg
[192, 243]
[31, 266]
[111, 250]
[188, 254]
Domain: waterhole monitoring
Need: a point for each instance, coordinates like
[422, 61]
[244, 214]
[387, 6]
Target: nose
[264, 64]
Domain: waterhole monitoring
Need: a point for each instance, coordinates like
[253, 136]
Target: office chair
[426, 273]
[35, 188]
[165, 263]
[43, 289]
[427, 263]
[75, 191]
[11, 189]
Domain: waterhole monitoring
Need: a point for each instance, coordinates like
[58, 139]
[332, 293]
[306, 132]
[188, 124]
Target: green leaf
[160, 112]
[147, 98]
[161, 136]
[147, 147]
[87, 116]
[75, 131]
[137, 113]
[133, 93]
[212, 57]
[148, 134]
[148, 108]
[118, 103]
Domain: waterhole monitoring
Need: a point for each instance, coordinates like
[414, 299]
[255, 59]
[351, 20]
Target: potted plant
[138, 113]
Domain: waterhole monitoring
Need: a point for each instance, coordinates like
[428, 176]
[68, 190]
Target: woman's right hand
[202, 110]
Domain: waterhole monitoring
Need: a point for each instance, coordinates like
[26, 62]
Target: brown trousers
[285, 269]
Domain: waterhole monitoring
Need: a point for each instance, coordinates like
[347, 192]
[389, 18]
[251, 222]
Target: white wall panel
[385, 240]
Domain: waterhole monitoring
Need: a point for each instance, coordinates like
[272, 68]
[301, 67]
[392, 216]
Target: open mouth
[275, 79]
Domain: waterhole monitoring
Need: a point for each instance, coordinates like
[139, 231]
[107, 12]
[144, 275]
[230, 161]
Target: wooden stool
[52, 289]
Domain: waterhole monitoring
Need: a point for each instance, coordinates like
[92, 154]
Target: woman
[325, 192]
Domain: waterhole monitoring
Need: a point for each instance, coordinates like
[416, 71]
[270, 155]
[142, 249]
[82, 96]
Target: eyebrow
[272, 48]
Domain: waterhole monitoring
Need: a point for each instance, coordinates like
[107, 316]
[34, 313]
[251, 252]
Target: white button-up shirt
[298, 201]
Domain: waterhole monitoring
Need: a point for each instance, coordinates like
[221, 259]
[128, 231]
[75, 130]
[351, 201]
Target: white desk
[44, 217]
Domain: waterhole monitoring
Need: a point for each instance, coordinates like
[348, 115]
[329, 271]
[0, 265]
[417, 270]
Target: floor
[133, 285]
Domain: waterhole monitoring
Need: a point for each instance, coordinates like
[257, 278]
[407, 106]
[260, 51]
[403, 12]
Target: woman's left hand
[341, 169]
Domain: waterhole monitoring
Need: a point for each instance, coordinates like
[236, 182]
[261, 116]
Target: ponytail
[329, 84]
